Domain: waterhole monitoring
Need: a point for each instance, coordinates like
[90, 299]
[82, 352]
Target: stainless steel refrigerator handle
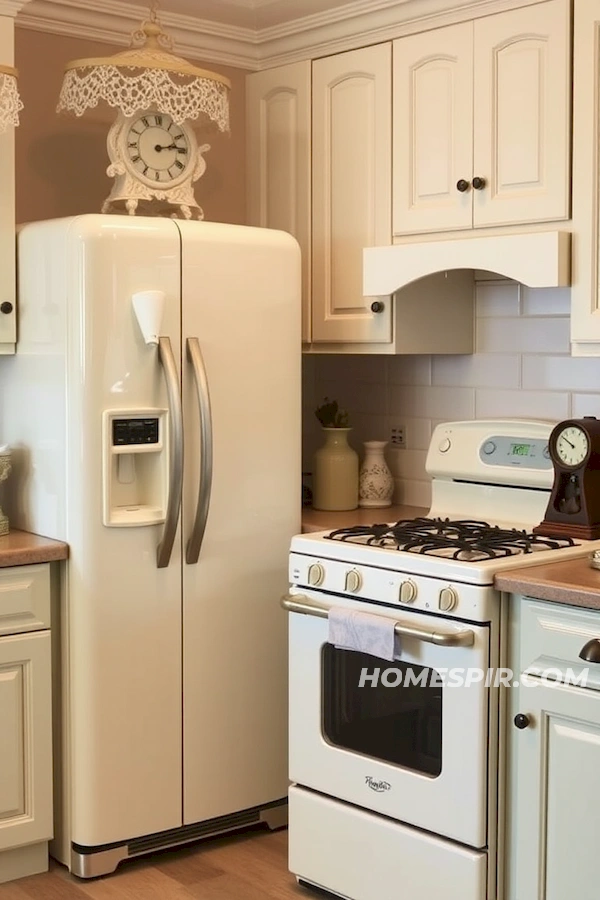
[298, 603]
[194, 353]
[165, 353]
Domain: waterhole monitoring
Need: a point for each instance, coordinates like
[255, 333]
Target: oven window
[399, 724]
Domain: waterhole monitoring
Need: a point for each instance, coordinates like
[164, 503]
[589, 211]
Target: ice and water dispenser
[136, 466]
[136, 442]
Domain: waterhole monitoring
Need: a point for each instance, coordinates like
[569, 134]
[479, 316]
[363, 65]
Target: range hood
[537, 259]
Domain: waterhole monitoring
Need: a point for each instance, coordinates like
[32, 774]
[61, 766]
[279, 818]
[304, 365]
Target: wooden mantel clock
[574, 506]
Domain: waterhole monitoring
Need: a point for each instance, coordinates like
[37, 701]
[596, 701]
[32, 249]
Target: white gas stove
[395, 782]
[491, 483]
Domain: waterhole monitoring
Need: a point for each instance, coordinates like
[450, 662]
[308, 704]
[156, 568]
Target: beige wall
[61, 160]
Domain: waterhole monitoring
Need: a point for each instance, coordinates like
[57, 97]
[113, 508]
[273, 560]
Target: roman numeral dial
[157, 149]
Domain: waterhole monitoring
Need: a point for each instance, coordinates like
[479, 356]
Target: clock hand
[572, 446]
[158, 147]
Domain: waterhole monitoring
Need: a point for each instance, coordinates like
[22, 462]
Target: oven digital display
[520, 449]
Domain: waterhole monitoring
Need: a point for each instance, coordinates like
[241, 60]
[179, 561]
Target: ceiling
[254, 14]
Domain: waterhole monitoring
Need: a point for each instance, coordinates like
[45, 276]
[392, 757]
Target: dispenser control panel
[127, 432]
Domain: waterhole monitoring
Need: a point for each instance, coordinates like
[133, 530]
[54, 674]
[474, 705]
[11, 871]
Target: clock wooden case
[574, 506]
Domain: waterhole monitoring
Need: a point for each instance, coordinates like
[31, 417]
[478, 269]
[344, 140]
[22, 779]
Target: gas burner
[464, 540]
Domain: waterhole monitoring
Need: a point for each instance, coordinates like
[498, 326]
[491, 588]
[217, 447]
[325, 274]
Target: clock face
[571, 446]
[158, 151]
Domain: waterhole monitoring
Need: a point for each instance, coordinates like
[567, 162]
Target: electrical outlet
[399, 436]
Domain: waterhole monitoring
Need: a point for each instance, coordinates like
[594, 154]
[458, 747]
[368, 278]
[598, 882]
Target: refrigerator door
[123, 612]
[241, 301]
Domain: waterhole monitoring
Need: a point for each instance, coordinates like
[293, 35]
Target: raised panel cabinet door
[278, 104]
[556, 781]
[25, 740]
[585, 290]
[522, 115]
[433, 130]
[352, 148]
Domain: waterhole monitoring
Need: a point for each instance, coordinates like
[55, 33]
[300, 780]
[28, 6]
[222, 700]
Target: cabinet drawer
[552, 637]
[24, 599]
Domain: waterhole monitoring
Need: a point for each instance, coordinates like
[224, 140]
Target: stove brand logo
[378, 786]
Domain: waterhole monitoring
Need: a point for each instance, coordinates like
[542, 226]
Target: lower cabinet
[25, 722]
[554, 756]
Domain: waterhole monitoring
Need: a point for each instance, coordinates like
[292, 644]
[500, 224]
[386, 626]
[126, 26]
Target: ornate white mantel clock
[154, 156]
[155, 160]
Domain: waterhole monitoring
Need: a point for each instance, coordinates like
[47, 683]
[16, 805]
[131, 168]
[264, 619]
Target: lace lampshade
[144, 76]
[10, 102]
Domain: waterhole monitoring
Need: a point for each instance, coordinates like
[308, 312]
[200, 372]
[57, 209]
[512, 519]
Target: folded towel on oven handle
[363, 632]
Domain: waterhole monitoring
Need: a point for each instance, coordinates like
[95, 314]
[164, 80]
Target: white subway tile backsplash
[521, 368]
[330, 367]
[417, 432]
[497, 299]
[432, 402]
[520, 335]
[552, 405]
[409, 369]
[479, 370]
[585, 405]
[407, 464]
[413, 493]
[559, 373]
[545, 301]
[355, 396]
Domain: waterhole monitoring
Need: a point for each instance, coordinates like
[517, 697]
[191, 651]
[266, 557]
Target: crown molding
[11, 7]
[354, 24]
[363, 22]
[112, 21]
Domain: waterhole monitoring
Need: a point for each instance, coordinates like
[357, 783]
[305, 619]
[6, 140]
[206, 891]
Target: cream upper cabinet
[351, 191]
[482, 122]
[278, 104]
[585, 292]
[433, 130]
[8, 290]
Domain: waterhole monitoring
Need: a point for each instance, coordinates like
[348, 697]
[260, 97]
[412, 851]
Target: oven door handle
[462, 637]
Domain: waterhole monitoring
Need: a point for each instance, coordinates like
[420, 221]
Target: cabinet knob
[590, 652]
[462, 185]
[377, 306]
[6, 307]
[522, 721]
[478, 183]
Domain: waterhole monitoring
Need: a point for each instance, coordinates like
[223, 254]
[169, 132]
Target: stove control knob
[448, 599]
[444, 445]
[353, 581]
[489, 447]
[408, 592]
[316, 575]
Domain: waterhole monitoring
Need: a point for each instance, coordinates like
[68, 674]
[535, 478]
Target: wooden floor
[251, 866]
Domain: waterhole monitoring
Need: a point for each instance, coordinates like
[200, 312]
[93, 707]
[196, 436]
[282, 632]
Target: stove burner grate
[465, 540]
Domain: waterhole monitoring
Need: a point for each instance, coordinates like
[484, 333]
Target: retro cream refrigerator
[154, 411]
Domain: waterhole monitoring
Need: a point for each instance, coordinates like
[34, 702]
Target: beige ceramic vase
[335, 472]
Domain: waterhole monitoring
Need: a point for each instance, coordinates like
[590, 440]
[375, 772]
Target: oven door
[380, 734]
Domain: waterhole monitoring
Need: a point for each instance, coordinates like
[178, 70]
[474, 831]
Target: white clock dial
[158, 150]
[572, 446]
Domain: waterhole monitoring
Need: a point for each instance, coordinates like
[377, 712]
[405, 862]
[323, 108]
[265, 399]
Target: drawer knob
[591, 651]
[478, 183]
[6, 307]
[462, 185]
[377, 306]
[522, 721]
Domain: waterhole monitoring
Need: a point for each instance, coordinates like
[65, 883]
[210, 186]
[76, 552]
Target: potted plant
[335, 468]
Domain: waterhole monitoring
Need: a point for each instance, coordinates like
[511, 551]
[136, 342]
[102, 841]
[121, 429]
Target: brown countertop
[20, 548]
[317, 520]
[573, 582]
